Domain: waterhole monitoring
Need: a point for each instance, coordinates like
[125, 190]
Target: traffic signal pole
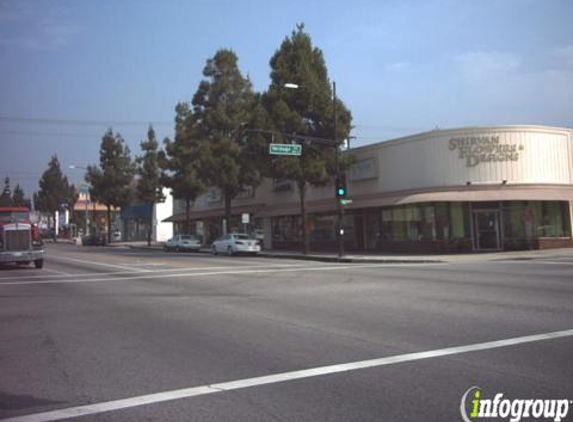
[339, 208]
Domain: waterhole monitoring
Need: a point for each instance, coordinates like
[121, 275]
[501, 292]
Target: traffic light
[341, 191]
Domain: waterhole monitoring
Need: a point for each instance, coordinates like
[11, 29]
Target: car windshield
[187, 237]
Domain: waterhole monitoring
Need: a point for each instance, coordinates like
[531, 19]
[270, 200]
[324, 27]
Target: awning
[215, 213]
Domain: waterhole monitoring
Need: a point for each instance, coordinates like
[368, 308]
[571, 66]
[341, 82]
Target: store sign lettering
[484, 149]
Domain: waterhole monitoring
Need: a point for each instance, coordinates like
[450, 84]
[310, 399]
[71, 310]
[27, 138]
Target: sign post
[245, 218]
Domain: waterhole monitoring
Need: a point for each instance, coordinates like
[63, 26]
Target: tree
[18, 199]
[149, 188]
[181, 161]
[5, 198]
[306, 111]
[223, 107]
[110, 182]
[54, 193]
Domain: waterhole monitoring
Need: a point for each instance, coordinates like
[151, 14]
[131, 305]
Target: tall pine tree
[54, 193]
[223, 107]
[18, 198]
[149, 188]
[110, 182]
[308, 110]
[5, 197]
[181, 161]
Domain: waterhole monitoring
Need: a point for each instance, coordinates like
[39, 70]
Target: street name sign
[285, 149]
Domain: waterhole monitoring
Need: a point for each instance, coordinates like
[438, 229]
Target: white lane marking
[103, 264]
[164, 396]
[164, 270]
[58, 272]
[154, 275]
[535, 261]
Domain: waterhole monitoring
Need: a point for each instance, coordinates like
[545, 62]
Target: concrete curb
[373, 259]
[318, 258]
[346, 259]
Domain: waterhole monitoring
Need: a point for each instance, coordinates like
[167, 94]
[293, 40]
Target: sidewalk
[390, 258]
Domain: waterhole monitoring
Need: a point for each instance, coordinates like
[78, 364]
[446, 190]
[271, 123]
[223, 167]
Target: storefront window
[322, 228]
[287, 229]
[532, 219]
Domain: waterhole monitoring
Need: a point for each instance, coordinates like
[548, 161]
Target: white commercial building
[467, 189]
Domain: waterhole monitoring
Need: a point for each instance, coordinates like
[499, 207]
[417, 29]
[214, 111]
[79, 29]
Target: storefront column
[571, 218]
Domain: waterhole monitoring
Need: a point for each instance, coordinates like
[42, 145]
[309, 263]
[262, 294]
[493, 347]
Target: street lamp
[339, 208]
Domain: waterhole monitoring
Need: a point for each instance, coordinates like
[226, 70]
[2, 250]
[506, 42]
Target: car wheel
[165, 248]
[213, 250]
[39, 263]
[230, 251]
[177, 249]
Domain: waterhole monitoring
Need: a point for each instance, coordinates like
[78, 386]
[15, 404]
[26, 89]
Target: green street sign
[285, 149]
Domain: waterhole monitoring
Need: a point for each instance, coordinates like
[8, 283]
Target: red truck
[20, 240]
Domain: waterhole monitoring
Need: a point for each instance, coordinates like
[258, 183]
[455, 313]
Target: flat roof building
[467, 189]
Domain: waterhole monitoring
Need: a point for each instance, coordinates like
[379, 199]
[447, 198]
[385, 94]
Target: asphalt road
[190, 337]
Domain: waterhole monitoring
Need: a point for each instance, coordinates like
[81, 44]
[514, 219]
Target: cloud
[31, 26]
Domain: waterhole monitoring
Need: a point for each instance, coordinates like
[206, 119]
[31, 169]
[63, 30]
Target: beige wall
[544, 156]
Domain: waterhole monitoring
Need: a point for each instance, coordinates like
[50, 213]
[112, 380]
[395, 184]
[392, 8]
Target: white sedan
[234, 243]
[182, 242]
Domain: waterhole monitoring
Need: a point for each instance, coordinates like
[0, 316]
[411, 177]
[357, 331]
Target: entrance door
[486, 233]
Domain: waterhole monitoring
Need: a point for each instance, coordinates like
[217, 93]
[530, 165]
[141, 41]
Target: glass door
[486, 230]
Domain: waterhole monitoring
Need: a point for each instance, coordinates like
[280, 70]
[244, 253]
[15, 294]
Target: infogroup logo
[512, 409]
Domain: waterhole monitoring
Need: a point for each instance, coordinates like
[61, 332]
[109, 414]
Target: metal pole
[339, 210]
[87, 227]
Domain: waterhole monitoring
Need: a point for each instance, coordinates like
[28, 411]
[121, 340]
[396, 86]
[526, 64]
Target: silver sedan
[235, 243]
[182, 242]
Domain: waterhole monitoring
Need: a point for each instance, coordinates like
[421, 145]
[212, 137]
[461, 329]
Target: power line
[60, 134]
[69, 122]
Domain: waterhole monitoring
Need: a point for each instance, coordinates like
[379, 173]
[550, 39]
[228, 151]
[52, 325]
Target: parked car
[183, 242]
[234, 243]
[94, 239]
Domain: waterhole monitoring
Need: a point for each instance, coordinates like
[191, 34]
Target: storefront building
[459, 190]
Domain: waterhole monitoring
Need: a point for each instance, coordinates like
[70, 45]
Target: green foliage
[181, 161]
[149, 188]
[110, 182]
[54, 193]
[224, 107]
[18, 199]
[5, 198]
[307, 110]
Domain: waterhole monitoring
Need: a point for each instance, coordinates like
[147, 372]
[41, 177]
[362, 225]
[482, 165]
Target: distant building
[135, 220]
[90, 213]
[468, 189]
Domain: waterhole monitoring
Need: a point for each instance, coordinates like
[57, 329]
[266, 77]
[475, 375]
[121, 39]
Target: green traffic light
[340, 191]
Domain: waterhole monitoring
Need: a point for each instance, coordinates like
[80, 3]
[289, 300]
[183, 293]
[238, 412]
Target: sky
[71, 69]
